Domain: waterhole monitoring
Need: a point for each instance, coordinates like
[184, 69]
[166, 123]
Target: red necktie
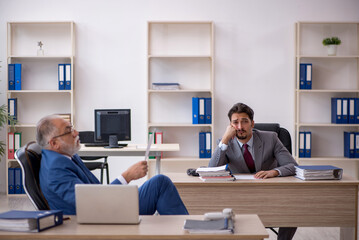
[248, 158]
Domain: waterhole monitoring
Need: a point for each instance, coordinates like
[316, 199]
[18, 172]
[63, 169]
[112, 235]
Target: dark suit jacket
[268, 151]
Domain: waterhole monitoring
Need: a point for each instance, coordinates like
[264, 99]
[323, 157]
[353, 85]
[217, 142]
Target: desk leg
[347, 233]
[158, 164]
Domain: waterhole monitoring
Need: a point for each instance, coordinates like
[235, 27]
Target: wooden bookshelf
[179, 52]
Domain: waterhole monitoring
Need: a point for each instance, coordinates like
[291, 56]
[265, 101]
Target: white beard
[71, 149]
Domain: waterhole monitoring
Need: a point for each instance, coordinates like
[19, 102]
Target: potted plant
[332, 44]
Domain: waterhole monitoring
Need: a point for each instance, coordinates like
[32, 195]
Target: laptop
[107, 204]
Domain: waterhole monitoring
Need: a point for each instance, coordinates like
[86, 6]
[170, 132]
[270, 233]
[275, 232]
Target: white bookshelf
[332, 76]
[39, 95]
[180, 52]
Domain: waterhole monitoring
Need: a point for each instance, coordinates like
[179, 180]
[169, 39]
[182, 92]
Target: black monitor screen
[114, 123]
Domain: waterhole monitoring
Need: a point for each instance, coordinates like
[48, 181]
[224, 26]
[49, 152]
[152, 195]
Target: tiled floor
[23, 203]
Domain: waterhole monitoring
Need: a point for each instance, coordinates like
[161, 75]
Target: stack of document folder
[221, 173]
[30, 221]
[318, 172]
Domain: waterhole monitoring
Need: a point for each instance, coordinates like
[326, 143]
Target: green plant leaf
[4, 119]
[331, 41]
[3, 115]
[2, 149]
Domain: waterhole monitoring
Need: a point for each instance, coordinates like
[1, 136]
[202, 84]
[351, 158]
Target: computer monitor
[112, 125]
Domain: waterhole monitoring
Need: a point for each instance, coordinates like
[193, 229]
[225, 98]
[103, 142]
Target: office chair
[284, 137]
[29, 158]
[283, 134]
[92, 164]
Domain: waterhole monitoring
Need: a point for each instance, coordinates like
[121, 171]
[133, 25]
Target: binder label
[345, 106]
[12, 107]
[307, 141]
[301, 140]
[351, 141]
[339, 107]
[67, 76]
[309, 72]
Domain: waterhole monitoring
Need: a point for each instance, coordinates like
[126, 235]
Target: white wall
[254, 53]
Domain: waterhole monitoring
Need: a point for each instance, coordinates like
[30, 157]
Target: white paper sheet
[244, 176]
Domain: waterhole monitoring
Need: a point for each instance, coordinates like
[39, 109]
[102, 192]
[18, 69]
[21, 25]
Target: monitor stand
[113, 142]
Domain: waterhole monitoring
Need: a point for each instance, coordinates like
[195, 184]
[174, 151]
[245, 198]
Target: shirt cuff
[280, 174]
[222, 146]
[122, 180]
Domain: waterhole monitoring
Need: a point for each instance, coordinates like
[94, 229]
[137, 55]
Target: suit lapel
[81, 165]
[257, 151]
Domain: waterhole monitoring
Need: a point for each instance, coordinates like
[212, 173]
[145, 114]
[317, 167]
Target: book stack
[215, 174]
[165, 86]
[318, 172]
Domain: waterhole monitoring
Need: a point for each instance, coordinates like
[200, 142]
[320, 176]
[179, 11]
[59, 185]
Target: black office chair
[29, 158]
[284, 137]
[92, 164]
[283, 134]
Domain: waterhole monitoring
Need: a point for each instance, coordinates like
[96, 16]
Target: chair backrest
[29, 158]
[283, 134]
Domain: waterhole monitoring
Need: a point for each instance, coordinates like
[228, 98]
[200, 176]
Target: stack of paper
[219, 226]
[221, 173]
[318, 172]
[165, 86]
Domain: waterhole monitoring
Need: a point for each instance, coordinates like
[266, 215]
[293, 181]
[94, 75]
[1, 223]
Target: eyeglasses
[71, 129]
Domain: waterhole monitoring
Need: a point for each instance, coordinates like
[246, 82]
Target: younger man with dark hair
[247, 150]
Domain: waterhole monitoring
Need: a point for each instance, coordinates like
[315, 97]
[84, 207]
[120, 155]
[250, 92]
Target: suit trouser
[286, 233]
[159, 193]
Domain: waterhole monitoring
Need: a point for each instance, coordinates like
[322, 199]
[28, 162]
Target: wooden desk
[131, 150]
[151, 227]
[279, 202]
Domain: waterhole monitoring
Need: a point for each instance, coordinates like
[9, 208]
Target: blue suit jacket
[58, 176]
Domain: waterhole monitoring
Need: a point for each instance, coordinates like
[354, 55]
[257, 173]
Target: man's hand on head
[266, 174]
[136, 171]
[228, 134]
